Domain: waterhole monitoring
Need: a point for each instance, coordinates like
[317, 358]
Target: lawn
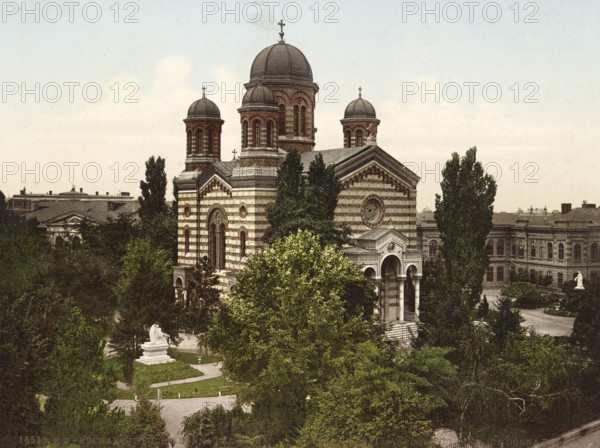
[158, 373]
[206, 388]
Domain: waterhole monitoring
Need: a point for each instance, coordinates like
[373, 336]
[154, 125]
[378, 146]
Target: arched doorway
[390, 270]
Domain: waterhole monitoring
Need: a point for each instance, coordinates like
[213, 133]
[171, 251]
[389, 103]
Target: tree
[152, 202]
[77, 382]
[369, 403]
[145, 428]
[506, 322]
[306, 203]
[586, 329]
[322, 192]
[158, 222]
[203, 296]
[21, 351]
[296, 308]
[464, 218]
[145, 296]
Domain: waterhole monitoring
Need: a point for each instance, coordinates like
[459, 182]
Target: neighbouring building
[223, 204]
[60, 215]
[547, 245]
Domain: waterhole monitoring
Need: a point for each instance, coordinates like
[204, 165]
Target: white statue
[157, 336]
[579, 280]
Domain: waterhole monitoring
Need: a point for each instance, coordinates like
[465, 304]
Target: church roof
[281, 63]
[348, 160]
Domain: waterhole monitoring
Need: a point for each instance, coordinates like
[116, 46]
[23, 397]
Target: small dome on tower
[204, 108]
[360, 108]
[259, 96]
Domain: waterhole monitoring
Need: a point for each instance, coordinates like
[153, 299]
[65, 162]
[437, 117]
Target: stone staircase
[404, 332]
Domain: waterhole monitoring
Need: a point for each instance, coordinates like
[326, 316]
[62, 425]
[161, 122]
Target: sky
[91, 90]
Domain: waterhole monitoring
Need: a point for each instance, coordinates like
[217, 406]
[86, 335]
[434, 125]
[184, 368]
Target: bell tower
[360, 123]
[203, 129]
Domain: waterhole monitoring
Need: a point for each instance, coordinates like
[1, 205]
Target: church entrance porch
[383, 256]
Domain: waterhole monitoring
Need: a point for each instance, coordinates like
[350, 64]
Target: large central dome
[281, 64]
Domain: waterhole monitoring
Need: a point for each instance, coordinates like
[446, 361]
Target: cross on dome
[281, 33]
[360, 92]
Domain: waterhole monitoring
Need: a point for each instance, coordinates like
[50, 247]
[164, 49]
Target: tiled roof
[587, 215]
[98, 211]
[332, 156]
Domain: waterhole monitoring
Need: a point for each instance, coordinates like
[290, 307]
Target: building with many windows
[551, 246]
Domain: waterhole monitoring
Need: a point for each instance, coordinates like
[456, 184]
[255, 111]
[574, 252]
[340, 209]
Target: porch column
[417, 293]
[380, 309]
[401, 307]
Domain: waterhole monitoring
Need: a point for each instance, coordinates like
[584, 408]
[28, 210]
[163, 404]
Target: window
[433, 248]
[186, 237]
[217, 239]
[242, 244]
[550, 254]
[500, 274]
[359, 138]
[303, 121]
[189, 143]
[223, 246]
[210, 141]
[577, 252]
[490, 274]
[269, 133]
[561, 251]
[594, 252]
[281, 119]
[199, 135]
[521, 249]
[256, 133]
[533, 250]
[348, 139]
[245, 134]
[296, 121]
[514, 250]
[500, 247]
[560, 279]
[489, 248]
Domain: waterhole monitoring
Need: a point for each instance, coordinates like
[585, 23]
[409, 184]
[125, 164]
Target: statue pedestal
[155, 353]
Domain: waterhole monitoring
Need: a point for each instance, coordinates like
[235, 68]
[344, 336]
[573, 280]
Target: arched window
[594, 252]
[489, 248]
[189, 143]
[577, 252]
[212, 244]
[296, 121]
[281, 119]
[223, 246]
[359, 138]
[210, 141]
[533, 250]
[303, 121]
[245, 134]
[269, 133]
[561, 251]
[348, 139]
[186, 237]
[550, 254]
[500, 247]
[242, 244]
[199, 137]
[256, 133]
[433, 248]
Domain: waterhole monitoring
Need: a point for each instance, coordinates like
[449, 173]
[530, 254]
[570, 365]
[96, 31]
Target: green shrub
[526, 295]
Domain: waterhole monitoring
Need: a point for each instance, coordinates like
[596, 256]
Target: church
[223, 204]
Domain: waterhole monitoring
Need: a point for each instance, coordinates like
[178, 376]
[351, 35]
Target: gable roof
[348, 160]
